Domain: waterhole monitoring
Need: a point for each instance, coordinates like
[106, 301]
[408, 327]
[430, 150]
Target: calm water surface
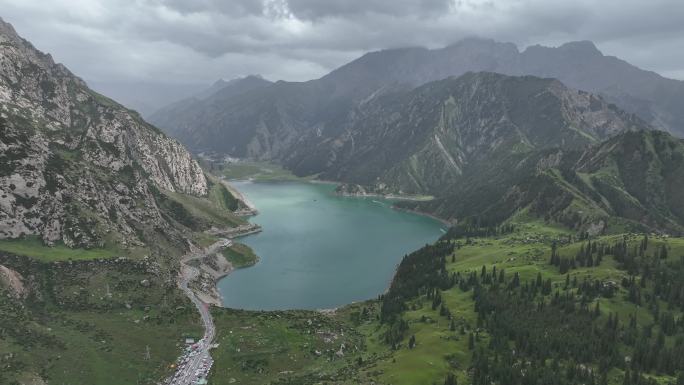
[319, 250]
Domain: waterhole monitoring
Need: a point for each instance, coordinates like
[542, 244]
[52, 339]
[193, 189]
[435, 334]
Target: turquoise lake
[320, 250]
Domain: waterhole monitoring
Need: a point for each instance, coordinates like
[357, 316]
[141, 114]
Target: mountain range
[485, 144]
[544, 177]
[79, 169]
[264, 120]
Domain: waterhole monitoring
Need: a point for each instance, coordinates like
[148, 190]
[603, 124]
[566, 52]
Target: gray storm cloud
[192, 42]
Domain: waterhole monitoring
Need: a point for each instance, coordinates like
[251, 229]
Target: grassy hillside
[628, 183]
[80, 322]
[199, 214]
[240, 255]
[497, 306]
[220, 196]
[90, 303]
[253, 170]
[34, 247]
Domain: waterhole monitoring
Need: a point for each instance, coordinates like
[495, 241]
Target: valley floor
[131, 321]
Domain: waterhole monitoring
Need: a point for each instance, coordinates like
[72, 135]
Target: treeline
[418, 272]
[589, 254]
[542, 328]
[652, 276]
[553, 333]
[540, 331]
[464, 230]
[534, 336]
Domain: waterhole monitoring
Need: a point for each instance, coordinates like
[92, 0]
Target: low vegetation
[35, 248]
[79, 322]
[198, 213]
[219, 195]
[290, 347]
[253, 170]
[240, 255]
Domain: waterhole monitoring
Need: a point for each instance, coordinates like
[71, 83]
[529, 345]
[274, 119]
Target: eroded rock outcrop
[13, 282]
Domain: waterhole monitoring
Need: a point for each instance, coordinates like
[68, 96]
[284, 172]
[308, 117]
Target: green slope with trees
[630, 182]
[525, 303]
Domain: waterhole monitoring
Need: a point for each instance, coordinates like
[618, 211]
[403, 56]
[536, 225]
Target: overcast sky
[199, 41]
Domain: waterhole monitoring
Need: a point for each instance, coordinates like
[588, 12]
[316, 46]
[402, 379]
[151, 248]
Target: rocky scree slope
[75, 167]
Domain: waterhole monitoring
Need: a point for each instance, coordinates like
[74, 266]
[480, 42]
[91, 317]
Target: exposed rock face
[74, 165]
[13, 281]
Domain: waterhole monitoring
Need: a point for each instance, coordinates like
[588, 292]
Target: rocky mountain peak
[7, 31]
[576, 49]
[475, 44]
[585, 47]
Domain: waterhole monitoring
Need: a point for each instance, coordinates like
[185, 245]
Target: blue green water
[319, 250]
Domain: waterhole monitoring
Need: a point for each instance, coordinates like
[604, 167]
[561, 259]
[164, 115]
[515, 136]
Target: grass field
[221, 197]
[297, 347]
[89, 322]
[34, 247]
[207, 212]
[113, 342]
[255, 170]
[240, 255]
[204, 239]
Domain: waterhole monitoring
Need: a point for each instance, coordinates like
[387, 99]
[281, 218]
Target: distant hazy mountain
[264, 123]
[228, 88]
[206, 104]
[430, 139]
[145, 97]
[484, 144]
[490, 145]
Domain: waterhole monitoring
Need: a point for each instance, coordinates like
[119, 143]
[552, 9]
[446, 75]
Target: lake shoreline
[213, 266]
[390, 197]
[422, 213]
[225, 273]
[398, 235]
[250, 209]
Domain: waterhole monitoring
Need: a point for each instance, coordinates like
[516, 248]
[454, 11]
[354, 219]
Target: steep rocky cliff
[76, 167]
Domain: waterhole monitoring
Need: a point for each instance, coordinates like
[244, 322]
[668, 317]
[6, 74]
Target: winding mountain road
[196, 361]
